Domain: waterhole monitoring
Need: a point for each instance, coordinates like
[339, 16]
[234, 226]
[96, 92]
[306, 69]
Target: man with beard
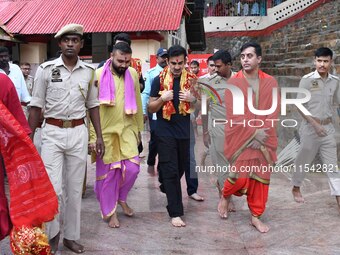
[162, 56]
[63, 88]
[121, 118]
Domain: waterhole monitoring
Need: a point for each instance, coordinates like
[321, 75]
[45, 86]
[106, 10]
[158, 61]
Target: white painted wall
[275, 15]
[33, 53]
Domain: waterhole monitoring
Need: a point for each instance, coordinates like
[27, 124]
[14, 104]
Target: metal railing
[219, 8]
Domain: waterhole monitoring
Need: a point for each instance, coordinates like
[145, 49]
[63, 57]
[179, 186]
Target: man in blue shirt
[162, 56]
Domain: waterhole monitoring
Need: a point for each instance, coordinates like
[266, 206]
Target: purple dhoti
[113, 182]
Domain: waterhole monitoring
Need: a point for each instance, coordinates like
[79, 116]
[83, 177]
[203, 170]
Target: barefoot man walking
[121, 122]
[250, 140]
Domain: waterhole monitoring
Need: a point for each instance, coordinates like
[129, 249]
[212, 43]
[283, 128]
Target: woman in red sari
[33, 199]
[9, 97]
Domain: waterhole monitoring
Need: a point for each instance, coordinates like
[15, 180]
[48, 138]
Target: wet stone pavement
[309, 228]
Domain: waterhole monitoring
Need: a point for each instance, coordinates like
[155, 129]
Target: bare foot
[106, 218]
[297, 195]
[126, 209]
[177, 222]
[114, 222]
[259, 225]
[231, 206]
[222, 207]
[197, 197]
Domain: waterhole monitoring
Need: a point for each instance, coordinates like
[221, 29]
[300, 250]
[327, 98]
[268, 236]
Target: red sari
[254, 182]
[9, 97]
[33, 199]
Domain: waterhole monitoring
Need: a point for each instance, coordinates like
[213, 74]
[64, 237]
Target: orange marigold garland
[29, 240]
[166, 83]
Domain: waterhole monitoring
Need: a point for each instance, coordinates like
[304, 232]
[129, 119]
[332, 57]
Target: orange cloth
[254, 183]
[167, 82]
[257, 192]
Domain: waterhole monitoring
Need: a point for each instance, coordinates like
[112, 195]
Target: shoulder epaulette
[308, 75]
[335, 77]
[89, 65]
[46, 64]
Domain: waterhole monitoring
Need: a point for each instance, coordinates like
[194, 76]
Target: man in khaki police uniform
[317, 131]
[213, 136]
[63, 88]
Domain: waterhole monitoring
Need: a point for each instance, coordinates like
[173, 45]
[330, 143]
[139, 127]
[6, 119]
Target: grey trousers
[311, 144]
[64, 152]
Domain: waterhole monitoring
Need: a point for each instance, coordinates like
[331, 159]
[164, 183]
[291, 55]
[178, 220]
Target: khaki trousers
[64, 152]
[311, 144]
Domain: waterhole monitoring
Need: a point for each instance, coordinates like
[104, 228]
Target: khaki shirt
[216, 110]
[64, 94]
[29, 84]
[324, 94]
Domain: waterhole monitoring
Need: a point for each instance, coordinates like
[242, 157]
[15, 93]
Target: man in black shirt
[170, 97]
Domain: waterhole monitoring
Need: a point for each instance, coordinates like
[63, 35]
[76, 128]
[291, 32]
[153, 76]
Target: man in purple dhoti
[121, 121]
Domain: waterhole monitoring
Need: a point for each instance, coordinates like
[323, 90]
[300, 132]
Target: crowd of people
[66, 90]
[239, 7]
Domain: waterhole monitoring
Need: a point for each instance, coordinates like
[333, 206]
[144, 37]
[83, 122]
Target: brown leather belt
[65, 123]
[324, 121]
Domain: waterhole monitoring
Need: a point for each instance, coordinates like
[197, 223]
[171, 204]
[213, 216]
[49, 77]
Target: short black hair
[258, 49]
[222, 55]
[210, 59]
[195, 62]
[3, 49]
[324, 52]
[177, 50]
[122, 37]
[123, 47]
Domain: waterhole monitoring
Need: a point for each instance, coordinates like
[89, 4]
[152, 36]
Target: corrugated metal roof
[9, 9]
[48, 16]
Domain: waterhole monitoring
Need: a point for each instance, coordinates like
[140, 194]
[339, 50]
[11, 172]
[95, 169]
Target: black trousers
[191, 176]
[173, 155]
[153, 142]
